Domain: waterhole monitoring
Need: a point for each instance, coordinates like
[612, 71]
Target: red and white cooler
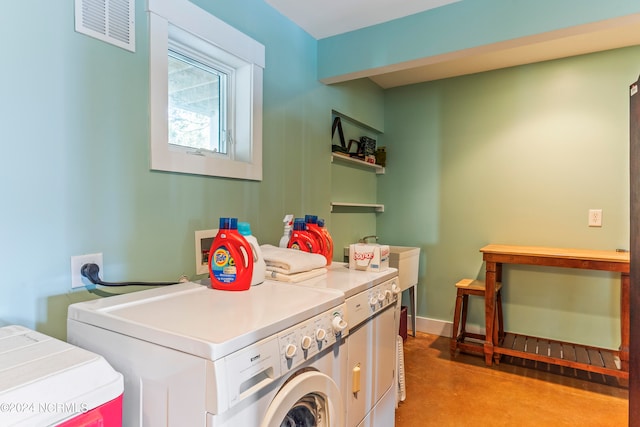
[48, 382]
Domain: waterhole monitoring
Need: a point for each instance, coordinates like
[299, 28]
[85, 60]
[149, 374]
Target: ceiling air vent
[112, 21]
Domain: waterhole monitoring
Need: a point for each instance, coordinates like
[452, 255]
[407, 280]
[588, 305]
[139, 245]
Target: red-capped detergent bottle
[230, 258]
[328, 240]
[301, 239]
[316, 233]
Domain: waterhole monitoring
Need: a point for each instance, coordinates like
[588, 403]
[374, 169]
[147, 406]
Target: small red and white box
[369, 257]
[48, 382]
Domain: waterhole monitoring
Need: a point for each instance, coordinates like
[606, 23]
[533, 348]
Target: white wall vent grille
[112, 21]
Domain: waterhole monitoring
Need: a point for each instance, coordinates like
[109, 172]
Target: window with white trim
[205, 93]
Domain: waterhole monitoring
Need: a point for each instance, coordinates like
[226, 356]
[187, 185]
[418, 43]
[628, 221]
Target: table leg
[412, 302]
[497, 312]
[489, 310]
[624, 321]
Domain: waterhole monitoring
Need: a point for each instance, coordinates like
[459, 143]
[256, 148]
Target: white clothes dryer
[270, 356]
[371, 300]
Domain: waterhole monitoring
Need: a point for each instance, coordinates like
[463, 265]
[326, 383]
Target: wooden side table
[556, 352]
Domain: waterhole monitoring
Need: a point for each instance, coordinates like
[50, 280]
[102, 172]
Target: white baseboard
[440, 327]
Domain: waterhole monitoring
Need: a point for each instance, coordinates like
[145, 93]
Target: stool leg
[463, 321]
[500, 317]
[456, 323]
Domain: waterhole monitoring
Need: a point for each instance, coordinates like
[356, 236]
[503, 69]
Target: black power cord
[92, 272]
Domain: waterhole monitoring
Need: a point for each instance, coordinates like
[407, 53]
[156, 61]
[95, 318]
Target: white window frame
[180, 22]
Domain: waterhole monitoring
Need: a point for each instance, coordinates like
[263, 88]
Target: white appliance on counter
[192, 356]
[372, 312]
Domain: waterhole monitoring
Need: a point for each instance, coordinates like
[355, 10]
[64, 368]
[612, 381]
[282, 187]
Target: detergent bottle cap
[310, 219]
[320, 222]
[244, 228]
[228, 223]
[299, 224]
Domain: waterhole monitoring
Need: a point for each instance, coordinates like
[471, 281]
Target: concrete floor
[441, 391]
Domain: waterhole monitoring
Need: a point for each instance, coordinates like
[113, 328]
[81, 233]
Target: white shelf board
[350, 160]
[377, 207]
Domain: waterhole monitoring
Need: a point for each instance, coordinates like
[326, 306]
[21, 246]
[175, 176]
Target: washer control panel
[254, 367]
[303, 341]
[368, 303]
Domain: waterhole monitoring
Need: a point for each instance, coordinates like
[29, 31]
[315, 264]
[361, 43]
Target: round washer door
[311, 399]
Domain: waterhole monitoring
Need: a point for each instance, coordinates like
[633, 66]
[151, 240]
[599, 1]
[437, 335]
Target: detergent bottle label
[302, 242]
[295, 244]
[223, 266]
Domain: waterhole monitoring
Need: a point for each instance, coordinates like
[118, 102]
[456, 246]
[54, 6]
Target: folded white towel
[290, 261]
[296, 277]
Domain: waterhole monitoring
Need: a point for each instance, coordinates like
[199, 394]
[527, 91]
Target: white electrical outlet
[595, 217]
[77, 280]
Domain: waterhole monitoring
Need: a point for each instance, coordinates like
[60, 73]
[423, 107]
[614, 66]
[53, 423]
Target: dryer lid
[349, 281]
[208, 323]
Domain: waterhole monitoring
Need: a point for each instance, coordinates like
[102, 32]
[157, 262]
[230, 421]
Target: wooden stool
[466, 287]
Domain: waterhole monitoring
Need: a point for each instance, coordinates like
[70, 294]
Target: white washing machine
[372, 314]
[193, 356]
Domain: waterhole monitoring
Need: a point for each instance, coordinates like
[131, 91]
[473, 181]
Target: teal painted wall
[75, 164]
[514, 156]
[456, 27]
[355, 184]
[76, 179]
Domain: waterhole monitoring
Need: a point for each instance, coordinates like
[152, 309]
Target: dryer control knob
[380, 297]
[395, 288]
[373, 301]
[338, 324]
[321, 334]
[306, 342]
[290, 351]
[388, 294]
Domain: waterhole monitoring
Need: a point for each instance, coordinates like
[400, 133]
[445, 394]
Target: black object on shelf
[342, 148]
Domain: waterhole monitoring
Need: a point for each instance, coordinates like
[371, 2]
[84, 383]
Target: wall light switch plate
[77, 279]
[595, 217]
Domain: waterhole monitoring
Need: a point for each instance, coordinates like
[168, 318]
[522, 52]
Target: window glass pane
[205, 94]
[197, 99]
